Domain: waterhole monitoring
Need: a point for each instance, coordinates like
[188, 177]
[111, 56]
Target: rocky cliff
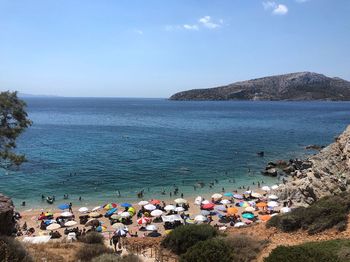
[6, 214]
[294, 86]
[328, 174]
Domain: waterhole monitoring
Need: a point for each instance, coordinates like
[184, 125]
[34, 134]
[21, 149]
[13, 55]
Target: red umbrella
[143, 220]
[155, 201]
[208, 206]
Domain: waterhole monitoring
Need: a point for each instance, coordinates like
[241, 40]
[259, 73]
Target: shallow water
[152, 144]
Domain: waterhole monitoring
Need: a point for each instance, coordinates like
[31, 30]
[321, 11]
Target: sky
[154, 48]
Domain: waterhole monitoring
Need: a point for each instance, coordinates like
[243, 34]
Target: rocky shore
[326, 173]
[6, 215]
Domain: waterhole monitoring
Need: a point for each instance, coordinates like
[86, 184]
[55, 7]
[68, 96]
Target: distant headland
[301, 86]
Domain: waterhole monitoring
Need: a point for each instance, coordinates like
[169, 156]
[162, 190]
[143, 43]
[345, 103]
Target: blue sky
[155, 48]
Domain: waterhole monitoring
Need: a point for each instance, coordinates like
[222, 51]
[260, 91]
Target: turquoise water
[153, 144]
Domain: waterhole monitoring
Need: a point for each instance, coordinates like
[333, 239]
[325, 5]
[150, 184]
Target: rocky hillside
[295, 86]
[327, 174]
[6, 214]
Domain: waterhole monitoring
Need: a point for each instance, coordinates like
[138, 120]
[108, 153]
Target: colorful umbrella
[155, 201]
[265, 217]
[143, 220]
[248, 215]
[238, 196]
[244, 204]
[110, 206]
[63, 206]
[208, 206]
[220, 208]
[126, 205]
[111, 212]
[101, 229]
[261, 204]
[228, 194]
[232, 211]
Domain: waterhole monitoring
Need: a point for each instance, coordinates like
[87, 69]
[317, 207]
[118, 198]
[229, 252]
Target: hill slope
[294, 86]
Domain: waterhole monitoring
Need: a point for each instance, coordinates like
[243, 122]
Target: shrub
[183, 237]
[244, 247]
[92, 238]
[211, 250]
[325, 213]
[115, 258]
[89, 251]
[12, 250]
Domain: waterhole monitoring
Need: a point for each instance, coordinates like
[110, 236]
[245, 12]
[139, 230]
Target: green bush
[92, 238]
[89, 251]
[12, 250]
[211, 250]
[328, 212]
[324, 251]
[183, 237]
[115, 258]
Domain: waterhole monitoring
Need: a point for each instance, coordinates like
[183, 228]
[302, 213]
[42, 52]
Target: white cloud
[207, 22]
[277, 9]
[191, 27]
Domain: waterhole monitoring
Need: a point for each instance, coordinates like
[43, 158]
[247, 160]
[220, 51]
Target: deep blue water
[134, 144]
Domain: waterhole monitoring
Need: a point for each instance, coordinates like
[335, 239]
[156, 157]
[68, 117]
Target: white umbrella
[156, 213]
[239, 224]
[180, 201]
[198, 200]
[216, 196]
[151, 228]
[200, 218]
[96, 208]
[83, 209]
[125, 214]
[70, 223]
[66, 214]
[179, 209]
[143, 203]
[225, 201]
[274, 187]
[121, 232]
[94, 214]
[249, 209]
[273, 197]
[285, 209]
[169, 207]
[150, 207]
[119, 226]
[272, 204]
[53, 226]
[204, 202]
[220, 208]
[256, 195]
[266, 188]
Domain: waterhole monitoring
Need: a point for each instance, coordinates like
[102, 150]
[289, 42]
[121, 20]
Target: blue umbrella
[63, 206]
[228, 194]
[205, 212]
[111, 212]
[248, 215]
[125, 205]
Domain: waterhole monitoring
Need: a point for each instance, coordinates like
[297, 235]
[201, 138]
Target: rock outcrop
[7, 223]
[326, 173]
[294, 86]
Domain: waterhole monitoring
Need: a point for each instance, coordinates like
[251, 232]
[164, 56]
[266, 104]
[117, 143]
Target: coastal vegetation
[13, 121]
[12, 250]
[328, 212]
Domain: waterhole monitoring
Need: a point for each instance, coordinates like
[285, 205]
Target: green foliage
[211, 250]
[92, 238]
[13, 121]
[324, 251]
[115, 258]
[89, 251]
[328, 212]
[12, 250]
[183, 237]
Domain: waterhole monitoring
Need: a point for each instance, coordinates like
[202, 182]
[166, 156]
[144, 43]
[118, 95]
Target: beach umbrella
[53, 226]
[228, 194]
[150, 207]
[248, 215]
[101, 229]
[256, 195]
[179, 209]
[110, 206]
[208, 206]
[151, 228]
[285, 209]
[244, 204]
[261, 204]
[232, 210]
[155, 202]
[156, 213]
[66, 214]
[63, 206]
[142, 203]
[70, 223]
[125, 214]
[200, 218]
[225, 201]
[238, 196]
[143, 220]
[169, 207]
[83, 209]
[272, 204]
[48, 214]
[121, 232]
[180, 201]
[265, 218]
[111, 212]
[248, 192]
[273, 197]
[274, 187]
[265, 188]
[115, 216]
[94, 214]
[216, 196]
[220, 208]
[119, 226]
[250, 209]
[239, 224]
[204, 202]
[96, 208]
[198, 200]
[126, 205]
[205, 212]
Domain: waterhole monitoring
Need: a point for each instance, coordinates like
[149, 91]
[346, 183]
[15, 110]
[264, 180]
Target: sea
[109, 149]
